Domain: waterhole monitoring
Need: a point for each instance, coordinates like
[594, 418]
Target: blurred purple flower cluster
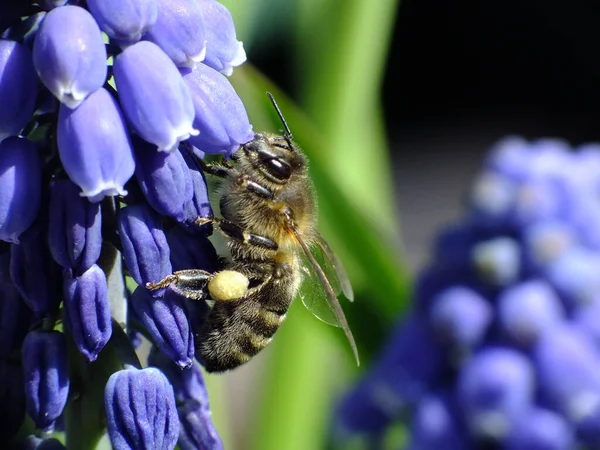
[502, 347]
[103, 106]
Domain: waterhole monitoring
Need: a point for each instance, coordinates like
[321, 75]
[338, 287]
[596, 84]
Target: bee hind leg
[190, 283]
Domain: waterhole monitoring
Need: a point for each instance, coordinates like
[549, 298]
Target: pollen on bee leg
[228, 285]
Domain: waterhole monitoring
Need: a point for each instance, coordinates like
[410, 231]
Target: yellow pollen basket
[228, 285]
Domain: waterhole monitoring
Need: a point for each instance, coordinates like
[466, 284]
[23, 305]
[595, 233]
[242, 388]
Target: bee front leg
[233, 230]
[190, 283]
[215, 169]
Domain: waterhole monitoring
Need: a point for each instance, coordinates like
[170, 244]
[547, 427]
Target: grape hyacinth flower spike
[81, 113]
[513, 286]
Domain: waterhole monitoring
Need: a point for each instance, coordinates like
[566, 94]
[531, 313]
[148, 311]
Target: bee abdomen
[235, 332]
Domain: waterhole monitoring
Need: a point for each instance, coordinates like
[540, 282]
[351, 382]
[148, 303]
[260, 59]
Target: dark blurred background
[461, 74]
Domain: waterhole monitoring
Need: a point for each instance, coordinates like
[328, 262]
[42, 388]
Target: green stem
[298, 386]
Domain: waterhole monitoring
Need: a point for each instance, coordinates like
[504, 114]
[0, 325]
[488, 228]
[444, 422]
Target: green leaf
[345, 45]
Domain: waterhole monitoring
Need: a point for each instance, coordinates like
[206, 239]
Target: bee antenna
[287, 133]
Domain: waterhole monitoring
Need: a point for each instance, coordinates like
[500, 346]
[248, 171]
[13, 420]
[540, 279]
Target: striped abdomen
[236, 330]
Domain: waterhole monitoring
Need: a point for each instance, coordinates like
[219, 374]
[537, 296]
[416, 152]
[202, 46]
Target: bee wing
[333, 268]
[318, 295]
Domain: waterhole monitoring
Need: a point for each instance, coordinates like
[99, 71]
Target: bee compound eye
[278, 168]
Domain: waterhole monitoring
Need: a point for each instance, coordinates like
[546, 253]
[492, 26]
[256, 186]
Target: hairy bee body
[260, 204]
[268, 211]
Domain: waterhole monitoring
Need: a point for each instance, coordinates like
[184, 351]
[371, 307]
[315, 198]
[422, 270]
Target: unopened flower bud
[46, 376]
[197, 428]
[75, 227]
[88, 311]
[145, 246]
[157, 103]
[167, 322]
[164, 179]
[69, 54]
[140, 409]
[94, 146]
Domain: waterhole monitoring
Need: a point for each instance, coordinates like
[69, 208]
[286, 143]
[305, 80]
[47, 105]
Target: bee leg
[234, 231]
[214, 169]
[190, 283]
[259, 190]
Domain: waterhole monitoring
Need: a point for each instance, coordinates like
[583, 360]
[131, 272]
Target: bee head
[276, 157]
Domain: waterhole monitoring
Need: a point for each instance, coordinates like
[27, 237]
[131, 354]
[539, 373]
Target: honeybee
[268, 210]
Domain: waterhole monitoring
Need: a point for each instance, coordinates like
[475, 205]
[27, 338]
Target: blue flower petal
[219, 112]
[124, 20]
[156, 103]
[18, 87]
[179, 31]
[94, 146]
[223, 50]
[69, 54]
[20, 187]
